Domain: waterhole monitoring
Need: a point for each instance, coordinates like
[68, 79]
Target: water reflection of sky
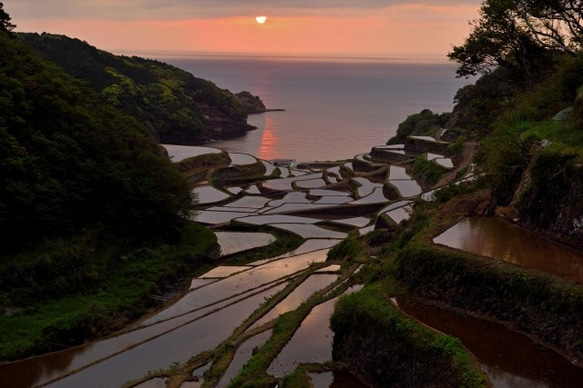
[312, 342]
[297, 296]
[494, 237]
[239, 283]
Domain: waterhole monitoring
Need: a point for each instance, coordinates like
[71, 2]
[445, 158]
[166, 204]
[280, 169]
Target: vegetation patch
[96, 293]
[196, 164]
[383, 345]
[537, 304]
[424, 123]
[426, 170]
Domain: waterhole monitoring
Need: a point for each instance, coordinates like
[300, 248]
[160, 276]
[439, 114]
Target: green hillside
[93, 215]
[175, 106]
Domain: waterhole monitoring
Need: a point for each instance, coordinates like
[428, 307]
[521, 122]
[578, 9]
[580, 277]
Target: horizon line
[416, 58]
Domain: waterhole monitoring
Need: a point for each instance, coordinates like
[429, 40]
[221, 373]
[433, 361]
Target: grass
[368, 329]
[561, 134]
[117, 294]
[427, 170]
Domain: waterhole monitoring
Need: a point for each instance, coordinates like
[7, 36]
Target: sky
[356, 28]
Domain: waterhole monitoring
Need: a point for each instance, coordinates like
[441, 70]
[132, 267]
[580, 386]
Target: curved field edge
[385, 347]
[543, 306]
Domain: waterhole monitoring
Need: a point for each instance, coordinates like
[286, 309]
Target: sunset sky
[378, 28]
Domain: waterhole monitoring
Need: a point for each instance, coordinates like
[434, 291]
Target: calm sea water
[335, 108]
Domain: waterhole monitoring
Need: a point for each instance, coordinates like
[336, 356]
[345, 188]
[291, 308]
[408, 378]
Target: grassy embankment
[545, 307]
[254, 372]
[387, 348]
[541, 305]
[71, 291]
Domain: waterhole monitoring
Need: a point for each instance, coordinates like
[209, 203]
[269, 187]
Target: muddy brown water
[509, 358]
[497, 238]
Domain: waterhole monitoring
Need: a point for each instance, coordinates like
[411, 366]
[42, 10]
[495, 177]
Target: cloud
[205, 9]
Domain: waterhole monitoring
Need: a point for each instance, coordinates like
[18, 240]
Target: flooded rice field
[178, 153]
[398, 173]
[510, 360]
[235, 242]
[218, 302]
[239, 283]
[400, 214]
[242, 159]
[160, 352]
[243, 354]
[376, 196]
[407, 188]
[502, 240]
[208, 194]
[311, 343]
[299, 295]
[112, 362]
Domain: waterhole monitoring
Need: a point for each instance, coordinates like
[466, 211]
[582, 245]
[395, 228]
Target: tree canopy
[69, 161]
[517, 34]
[175, 106]
[5, 24]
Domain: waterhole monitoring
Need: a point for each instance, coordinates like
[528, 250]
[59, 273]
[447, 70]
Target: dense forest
[93, 214]
[172, 104]
[71, 162]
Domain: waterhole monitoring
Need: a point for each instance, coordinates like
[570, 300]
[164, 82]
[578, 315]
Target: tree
[70, 163]
[555, 24]
[516, 34]
[5, 24]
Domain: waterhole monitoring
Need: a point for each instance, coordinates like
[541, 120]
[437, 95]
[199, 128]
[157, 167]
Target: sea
[335, 108]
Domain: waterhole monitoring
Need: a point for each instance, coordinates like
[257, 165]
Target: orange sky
[421, 28]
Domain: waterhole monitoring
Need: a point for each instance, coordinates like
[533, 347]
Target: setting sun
[261, 19]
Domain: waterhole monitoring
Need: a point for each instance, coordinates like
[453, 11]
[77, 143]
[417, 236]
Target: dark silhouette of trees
[516, 34]
[5, 24]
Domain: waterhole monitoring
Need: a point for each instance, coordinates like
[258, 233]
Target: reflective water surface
[299, 295]
[176, 346]
[243, 354]
[134, 350]
[234, 242]
[336, 379]
[312, 342]
[497, 238]
[511, 360]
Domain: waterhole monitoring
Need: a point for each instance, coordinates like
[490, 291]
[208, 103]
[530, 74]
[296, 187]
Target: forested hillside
[70, 161]
[526, 111]
[175, 106]
[93, 215]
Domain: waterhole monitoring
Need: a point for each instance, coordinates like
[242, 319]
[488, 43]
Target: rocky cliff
[549, 197]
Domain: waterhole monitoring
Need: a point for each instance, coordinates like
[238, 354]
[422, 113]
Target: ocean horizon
[340, 57]
[335, 108]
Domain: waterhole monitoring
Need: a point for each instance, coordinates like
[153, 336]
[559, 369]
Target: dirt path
[468, 154]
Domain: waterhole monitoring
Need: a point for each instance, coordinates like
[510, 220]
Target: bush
[382, 345]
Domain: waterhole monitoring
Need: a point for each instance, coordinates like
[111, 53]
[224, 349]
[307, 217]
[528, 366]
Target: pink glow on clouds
[406, 30]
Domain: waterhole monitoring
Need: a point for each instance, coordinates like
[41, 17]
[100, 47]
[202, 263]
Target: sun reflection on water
[269, 140]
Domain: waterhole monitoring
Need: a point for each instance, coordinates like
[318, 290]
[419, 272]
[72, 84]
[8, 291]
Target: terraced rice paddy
[321, 206]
